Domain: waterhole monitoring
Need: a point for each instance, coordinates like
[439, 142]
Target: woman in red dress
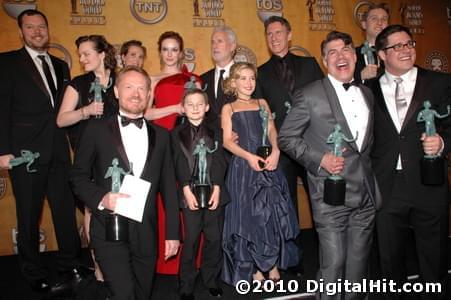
[164, 109]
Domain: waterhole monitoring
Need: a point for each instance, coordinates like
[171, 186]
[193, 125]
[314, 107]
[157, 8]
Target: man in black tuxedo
[399, 145]
[277, 80]
[128, 267]
[373, 21]
[31, 85]
[223, 46]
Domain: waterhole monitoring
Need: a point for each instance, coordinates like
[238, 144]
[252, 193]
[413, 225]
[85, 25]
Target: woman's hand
[272, 160]
[253, 160]
[93, 109]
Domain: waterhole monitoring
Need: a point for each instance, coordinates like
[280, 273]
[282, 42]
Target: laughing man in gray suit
[345, 231]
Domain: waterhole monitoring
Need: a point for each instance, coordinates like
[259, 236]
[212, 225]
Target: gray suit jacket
[315, 111]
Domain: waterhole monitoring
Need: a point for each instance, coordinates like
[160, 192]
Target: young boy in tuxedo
[186, 140]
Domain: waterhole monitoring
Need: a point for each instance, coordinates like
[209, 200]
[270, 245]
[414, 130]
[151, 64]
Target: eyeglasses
[401, 46]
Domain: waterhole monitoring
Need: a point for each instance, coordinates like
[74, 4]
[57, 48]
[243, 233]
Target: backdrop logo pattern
[244, 54]
[412, 17]
[268, 8]
[298, 50]
[437, 61]
[87, 12]
[190, 59]
[148, 12]
[208, 13]
[2, 187]
[13, 8]
[448, 14]
[63, 53]
[42, 239]
[321, 15]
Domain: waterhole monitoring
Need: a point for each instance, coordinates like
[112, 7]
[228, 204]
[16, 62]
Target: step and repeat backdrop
[145, 20]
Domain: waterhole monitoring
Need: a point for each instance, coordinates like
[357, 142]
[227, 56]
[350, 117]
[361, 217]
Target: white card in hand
[133, 207]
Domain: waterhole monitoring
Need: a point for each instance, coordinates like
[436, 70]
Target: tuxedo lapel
[113, 124]
[417, 99]
[29, 65]
[369, 127]
[150, 148]
[336, 110]
[380, 103]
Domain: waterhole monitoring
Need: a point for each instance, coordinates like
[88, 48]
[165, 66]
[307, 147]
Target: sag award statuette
[335, 185]
[202, 186]
[432, 166]
[264, 150]
[27, 157]
[116, 226]
[97, 88]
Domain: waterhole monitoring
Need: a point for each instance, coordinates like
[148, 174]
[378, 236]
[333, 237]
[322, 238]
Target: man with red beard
[142, 149]
[345, 230]
[399, 145]
[31, 85]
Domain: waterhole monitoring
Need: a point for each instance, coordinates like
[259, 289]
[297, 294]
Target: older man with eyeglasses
[399, 145]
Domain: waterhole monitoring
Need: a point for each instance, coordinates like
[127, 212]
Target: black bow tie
[347, 85]
[125, 121]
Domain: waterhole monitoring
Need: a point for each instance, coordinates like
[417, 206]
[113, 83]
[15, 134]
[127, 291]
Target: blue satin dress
[260, 221]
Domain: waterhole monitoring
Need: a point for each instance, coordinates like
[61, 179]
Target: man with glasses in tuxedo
[399, 145]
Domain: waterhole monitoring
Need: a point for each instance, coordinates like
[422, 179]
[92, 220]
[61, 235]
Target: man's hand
[171, 248]
[110, 199]
[4, 161]
[214, 199]
[370, 71]
[190, 199]
[332, 164]
[432, 145]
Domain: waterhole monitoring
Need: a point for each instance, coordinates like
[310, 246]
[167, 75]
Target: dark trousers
[401, 213]
[292, 170]
[210, 222]
[127, 269]
[345, 237]
[30, 189]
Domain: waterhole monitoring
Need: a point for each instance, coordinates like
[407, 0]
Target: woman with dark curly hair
[133, 53]
[97, 57]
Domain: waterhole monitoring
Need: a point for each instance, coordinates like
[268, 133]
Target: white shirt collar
[226, 68]
[409, 76]
[34, 54]
[336, 83]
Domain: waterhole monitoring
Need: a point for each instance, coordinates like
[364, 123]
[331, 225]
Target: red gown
[169, 91]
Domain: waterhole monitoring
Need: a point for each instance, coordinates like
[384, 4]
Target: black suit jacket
[360, 65]
[98, 145]
[271, 88]
[185, 164]
[27, 118]
[215, 105]
[388, 143]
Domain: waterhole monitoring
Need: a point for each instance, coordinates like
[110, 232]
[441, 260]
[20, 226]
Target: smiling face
[195, 108]
[222, 48]
[34, 32]
[244, 85]
[376, 20]
[398, 63]
[90, 59]
[132, 89]
[340, 60]
[278, 38]
[170, 52]
[133, 57]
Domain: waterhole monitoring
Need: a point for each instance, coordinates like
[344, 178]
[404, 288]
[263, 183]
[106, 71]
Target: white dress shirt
[388, 87]
[218, 72]
[136, 144]
[354, 107]
[38, 63]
